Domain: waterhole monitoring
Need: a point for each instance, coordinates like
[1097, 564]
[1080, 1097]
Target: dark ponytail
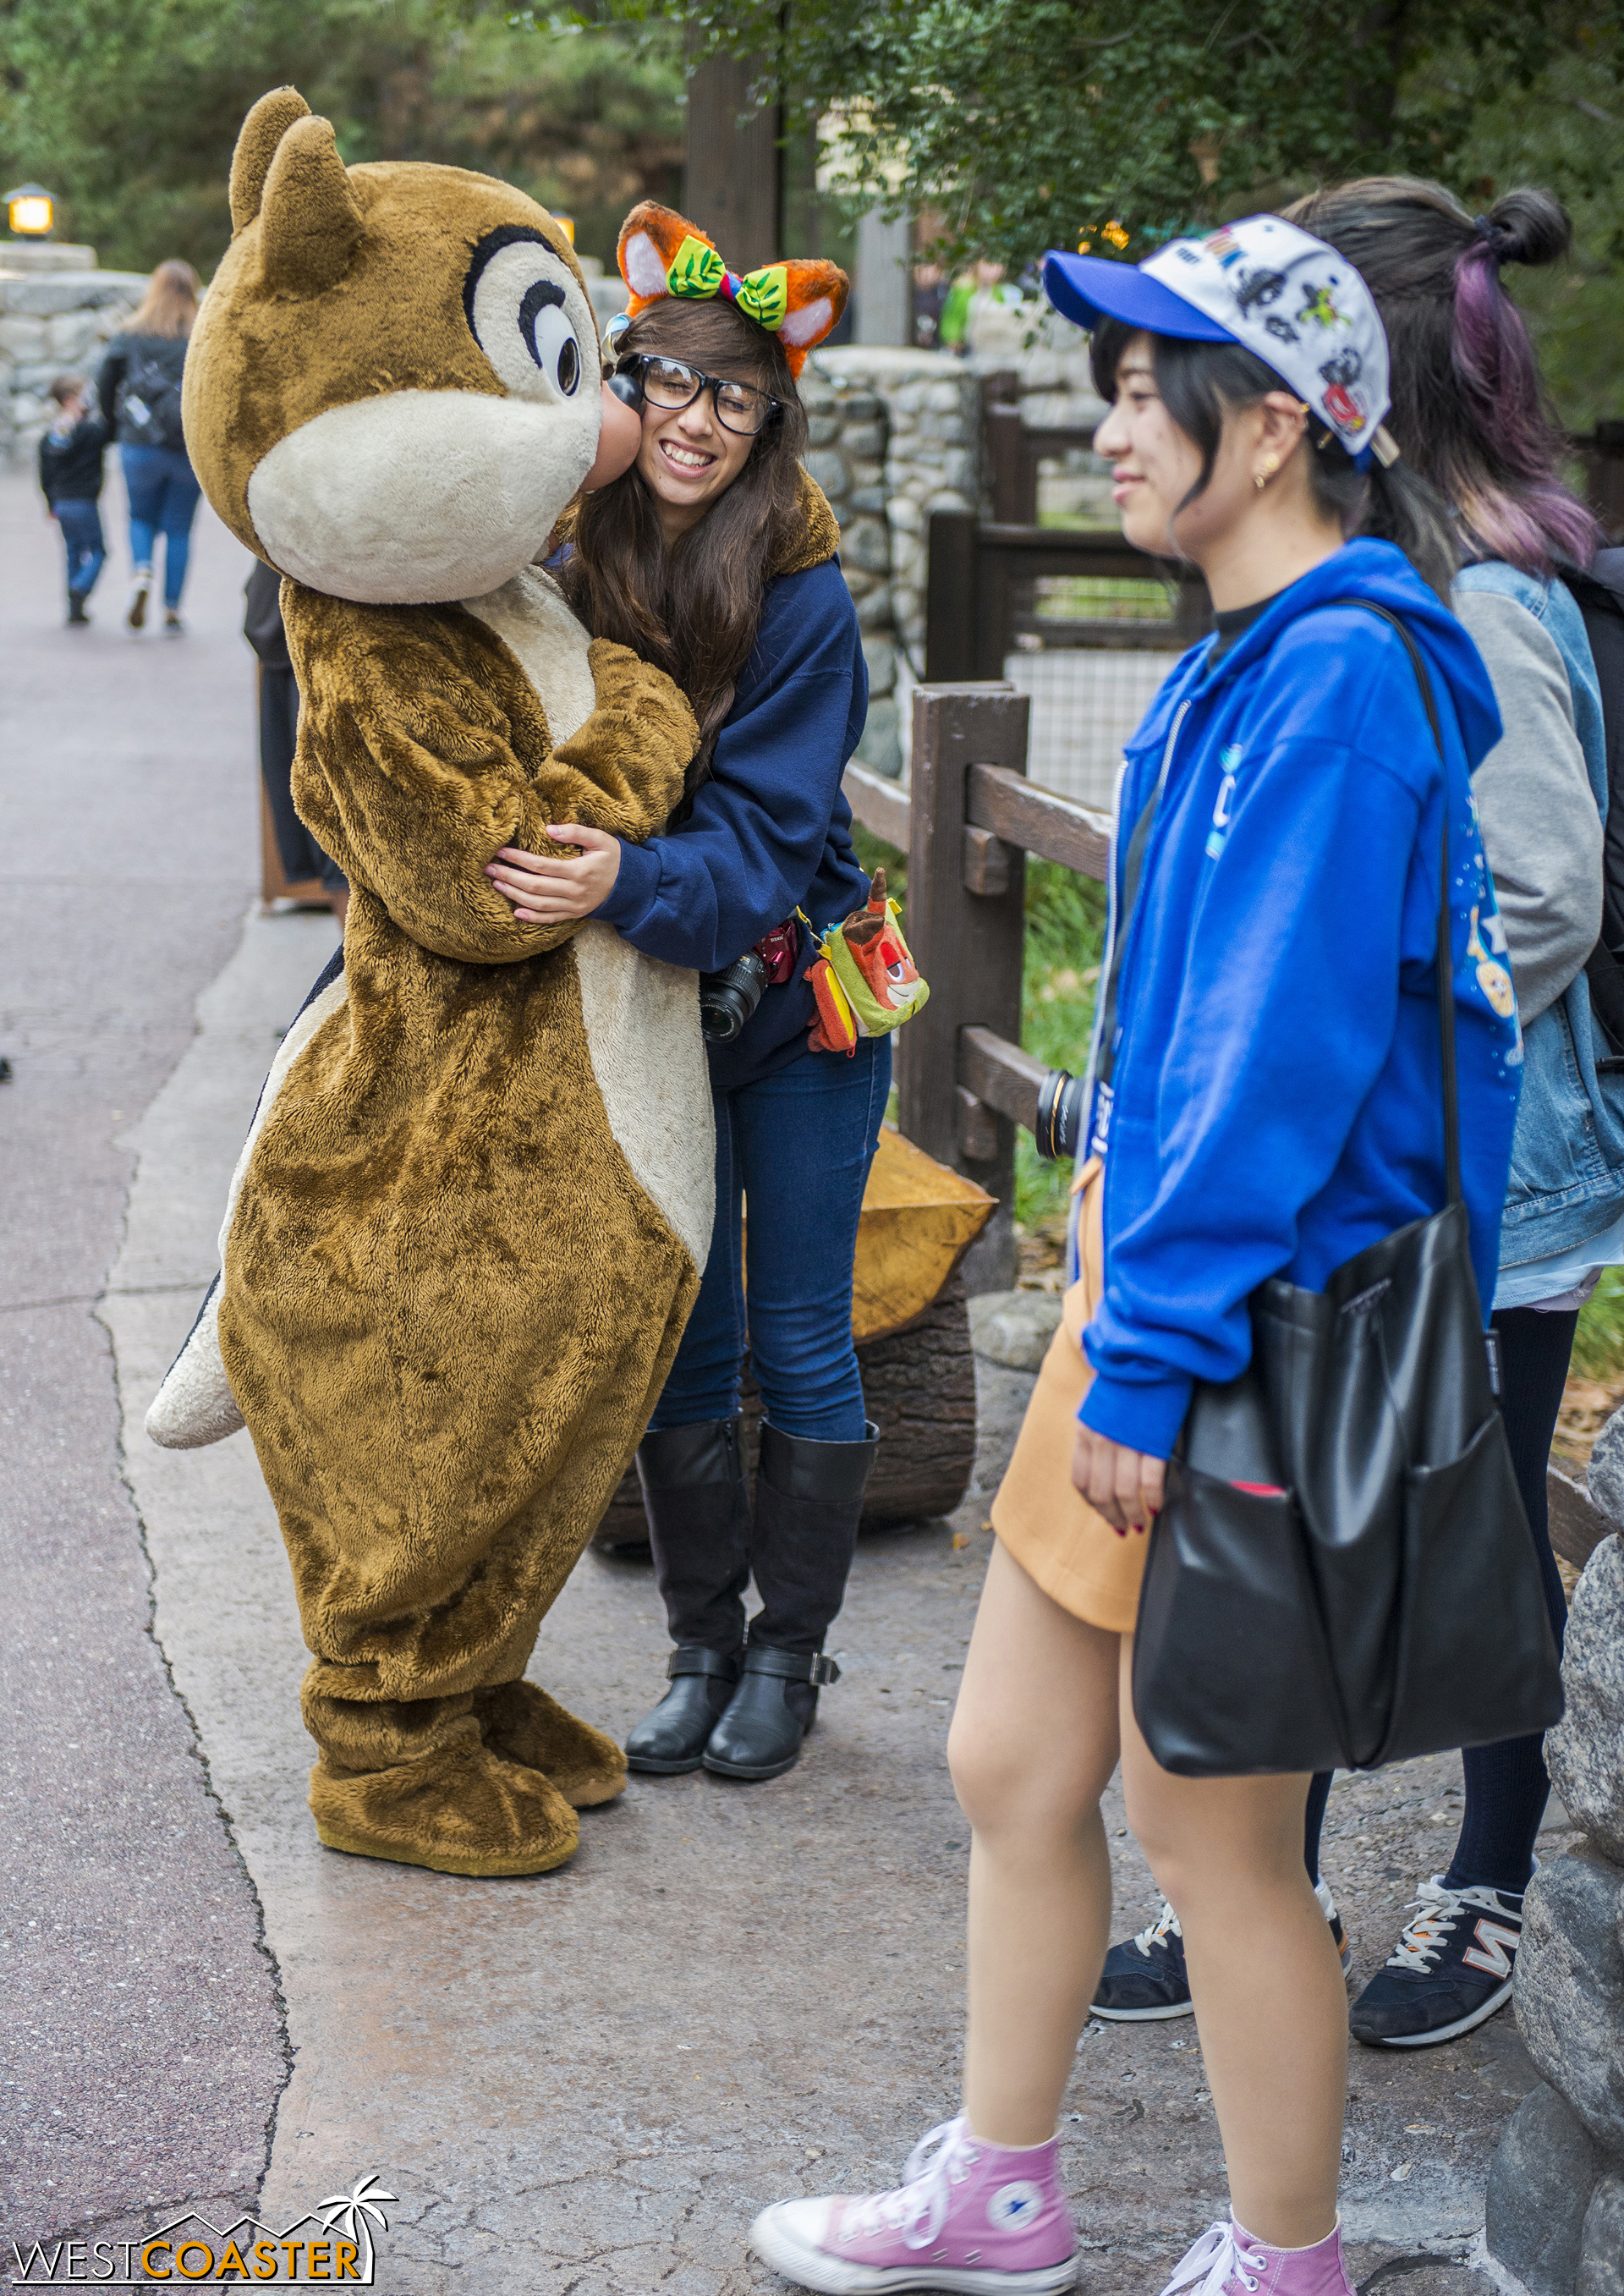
[1469, 410]
[1201, 383]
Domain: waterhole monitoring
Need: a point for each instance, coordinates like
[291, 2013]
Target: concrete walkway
[581, 2085]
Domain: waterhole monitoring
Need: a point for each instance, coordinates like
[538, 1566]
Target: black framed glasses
[670, 385]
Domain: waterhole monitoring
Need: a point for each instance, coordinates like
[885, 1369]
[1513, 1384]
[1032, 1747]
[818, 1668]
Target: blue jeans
[163, 496]
[81, 526]
[799, 1144]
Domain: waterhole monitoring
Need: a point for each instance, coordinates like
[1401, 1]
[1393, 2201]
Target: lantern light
[30, 212]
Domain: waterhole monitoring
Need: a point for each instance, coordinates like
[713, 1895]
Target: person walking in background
[139, 390]
[301, 857]
[1268, 1099]
[71, 475]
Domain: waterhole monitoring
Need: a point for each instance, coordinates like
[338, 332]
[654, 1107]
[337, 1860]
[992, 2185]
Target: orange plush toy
[660, 253]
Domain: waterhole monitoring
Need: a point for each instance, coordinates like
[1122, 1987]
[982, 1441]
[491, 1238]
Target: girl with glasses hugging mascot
[713, 556]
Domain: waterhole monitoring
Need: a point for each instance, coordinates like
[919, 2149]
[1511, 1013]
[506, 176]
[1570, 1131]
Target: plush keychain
[863, 978]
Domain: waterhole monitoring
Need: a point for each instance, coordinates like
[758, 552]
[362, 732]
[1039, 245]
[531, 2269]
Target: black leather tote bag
[1375, 1593]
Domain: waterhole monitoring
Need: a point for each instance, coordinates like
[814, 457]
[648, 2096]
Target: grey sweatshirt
[1542, 834]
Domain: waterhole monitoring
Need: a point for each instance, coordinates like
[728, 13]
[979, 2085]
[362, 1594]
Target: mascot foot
[522, 1724]
[462, 1810]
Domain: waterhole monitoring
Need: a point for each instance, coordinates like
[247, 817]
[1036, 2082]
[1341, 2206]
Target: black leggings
[1506, 1785]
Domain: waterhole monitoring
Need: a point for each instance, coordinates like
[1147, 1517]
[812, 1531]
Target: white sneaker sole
[830, 2276]
[1141, 2016]
[1480, 2016]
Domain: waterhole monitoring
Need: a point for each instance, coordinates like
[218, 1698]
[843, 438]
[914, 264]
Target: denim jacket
[1567, 1168]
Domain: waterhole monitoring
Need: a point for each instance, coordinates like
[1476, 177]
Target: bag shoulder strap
[1444, 959]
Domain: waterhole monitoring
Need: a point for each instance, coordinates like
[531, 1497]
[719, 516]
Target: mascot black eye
[526, 312]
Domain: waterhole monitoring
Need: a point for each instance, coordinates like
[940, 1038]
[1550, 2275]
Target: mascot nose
[617, 443]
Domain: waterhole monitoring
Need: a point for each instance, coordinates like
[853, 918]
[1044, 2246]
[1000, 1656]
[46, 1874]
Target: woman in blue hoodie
[1275, 1105]
[714, 557]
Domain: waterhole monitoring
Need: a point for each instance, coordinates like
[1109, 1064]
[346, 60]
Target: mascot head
[393, 388]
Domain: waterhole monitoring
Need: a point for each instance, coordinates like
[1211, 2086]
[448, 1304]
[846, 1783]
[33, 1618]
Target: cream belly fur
[643, 1031]
[643, 1038]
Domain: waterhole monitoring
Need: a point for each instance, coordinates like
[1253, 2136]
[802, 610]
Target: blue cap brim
[1089, 288]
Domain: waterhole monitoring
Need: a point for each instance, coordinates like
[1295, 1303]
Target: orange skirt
[1053, 1534]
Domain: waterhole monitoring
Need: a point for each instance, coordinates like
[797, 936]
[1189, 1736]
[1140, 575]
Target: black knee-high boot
[698, 1505]
[808, 1501]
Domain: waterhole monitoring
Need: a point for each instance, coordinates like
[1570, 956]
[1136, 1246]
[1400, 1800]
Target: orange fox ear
[817, 293]
[651, 239]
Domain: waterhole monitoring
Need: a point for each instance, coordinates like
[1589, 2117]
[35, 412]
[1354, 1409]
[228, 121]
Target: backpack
[148, 400]
[1599, 594]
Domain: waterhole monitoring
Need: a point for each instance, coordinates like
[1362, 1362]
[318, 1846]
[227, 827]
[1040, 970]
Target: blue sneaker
[1452, 1968]
[1147, 1978]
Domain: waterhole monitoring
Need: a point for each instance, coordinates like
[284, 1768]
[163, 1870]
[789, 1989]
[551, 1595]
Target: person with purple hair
[1470, 415]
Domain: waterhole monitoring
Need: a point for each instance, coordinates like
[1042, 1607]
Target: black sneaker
[1146, 1978]
[1452, 1968]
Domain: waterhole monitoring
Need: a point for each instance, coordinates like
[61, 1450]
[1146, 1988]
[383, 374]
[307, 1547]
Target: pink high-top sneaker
[971, 2218]
[1227, 2261]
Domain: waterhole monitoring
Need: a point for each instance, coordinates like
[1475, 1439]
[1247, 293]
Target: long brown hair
[169, 305]
[695, 611]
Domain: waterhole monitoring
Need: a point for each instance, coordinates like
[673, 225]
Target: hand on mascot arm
[423, 750]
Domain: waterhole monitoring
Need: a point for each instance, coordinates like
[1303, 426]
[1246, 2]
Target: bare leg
[1270, 2003]
[1032, 1748]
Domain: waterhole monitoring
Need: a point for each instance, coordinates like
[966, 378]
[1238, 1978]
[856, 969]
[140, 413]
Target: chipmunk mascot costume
[468, 1226]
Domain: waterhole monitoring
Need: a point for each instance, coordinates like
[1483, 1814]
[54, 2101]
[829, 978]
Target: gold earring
[1271, 464]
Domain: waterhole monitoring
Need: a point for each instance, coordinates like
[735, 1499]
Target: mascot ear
[262, 131]
[309, 225]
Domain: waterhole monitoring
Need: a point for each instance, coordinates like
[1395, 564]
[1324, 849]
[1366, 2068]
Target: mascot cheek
[415, 496]
[617, 443]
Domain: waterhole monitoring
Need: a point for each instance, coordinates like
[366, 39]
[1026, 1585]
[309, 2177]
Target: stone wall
[52, 321]
[1555, 2201]
[895, 434]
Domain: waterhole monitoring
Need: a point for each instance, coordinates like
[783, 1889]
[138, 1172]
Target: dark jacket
[70, 468]
[769, 831]
[139, 389]
[262, 619]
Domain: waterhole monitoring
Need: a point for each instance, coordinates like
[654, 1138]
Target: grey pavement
[582, 2084]
[139, 2025]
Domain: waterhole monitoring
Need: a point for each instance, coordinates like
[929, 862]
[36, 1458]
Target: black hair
[1201, 383]
[1470, 409]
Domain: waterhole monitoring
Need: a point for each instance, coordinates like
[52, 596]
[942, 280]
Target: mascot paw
[524, 1725]
[462, 1810]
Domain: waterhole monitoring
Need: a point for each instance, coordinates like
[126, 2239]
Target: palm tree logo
[350, 2213]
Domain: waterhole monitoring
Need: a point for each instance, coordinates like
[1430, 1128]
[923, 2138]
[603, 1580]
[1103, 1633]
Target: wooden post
[951, 617]
[732, 182]
[968, 945]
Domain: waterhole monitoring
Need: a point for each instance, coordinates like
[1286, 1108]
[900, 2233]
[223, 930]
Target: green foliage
[1031, 124]
[1598, 1346]
[129, 113]
[1065, 936]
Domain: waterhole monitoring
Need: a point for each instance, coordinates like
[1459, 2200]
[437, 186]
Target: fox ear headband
[660, 253]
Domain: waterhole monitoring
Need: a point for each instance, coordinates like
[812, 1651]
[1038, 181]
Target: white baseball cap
[1282, 294]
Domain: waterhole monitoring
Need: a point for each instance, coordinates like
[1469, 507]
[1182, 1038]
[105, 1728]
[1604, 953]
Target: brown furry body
[468, 1226]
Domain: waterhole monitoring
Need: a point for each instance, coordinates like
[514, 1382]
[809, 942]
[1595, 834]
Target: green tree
[129, 113]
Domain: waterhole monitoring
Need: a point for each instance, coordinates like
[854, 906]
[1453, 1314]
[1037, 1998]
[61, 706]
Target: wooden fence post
[968, 945]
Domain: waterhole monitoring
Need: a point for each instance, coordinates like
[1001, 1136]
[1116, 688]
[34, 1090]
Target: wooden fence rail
[967, 825]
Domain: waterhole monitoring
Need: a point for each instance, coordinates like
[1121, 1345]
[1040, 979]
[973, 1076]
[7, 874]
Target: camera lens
[727, 999]
[1060, 1114]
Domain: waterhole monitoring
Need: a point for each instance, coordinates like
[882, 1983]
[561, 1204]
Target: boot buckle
[824, 1669]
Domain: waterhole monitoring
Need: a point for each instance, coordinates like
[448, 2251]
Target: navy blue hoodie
[769, 831]
[1277, 1097]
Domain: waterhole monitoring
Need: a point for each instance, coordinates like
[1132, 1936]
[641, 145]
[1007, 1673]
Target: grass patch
[1065, 935]
[1599, 1345]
